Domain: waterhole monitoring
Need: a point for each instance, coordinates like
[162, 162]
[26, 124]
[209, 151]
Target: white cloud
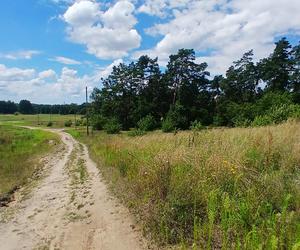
[228, 28]
[23, 54]
[105, 71]
[65, 60]
[107, 34]
[48, 86]
[15, 74]
[162, 8]
[47, 74]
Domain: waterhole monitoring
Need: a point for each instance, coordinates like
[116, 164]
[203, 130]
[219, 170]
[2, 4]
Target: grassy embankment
[20, 151]
[58, 121]
[222, 188]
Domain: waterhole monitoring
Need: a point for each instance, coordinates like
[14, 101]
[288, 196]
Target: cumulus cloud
[162, 8]
[47, 74]
[225, 29]
[107, 34]
[105, 71]
[48, 86]
[15, 74]
[65, 60]
[23, 54]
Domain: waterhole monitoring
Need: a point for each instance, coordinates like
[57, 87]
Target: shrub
[197, 126]
[16, 113]
[68, 123]
[83, 121]
[112, 126]
[262, 121]
[136, 132]
[78, 123]
[147, 123]
[168, 125]
[240, 121]
[97, 122]
[49, 124]
[277, 115]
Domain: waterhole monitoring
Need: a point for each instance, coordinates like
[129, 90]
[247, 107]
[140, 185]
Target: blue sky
[51, 49]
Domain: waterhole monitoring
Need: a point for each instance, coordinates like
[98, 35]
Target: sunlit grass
[38, 120]
[20, 150]
[230, 188]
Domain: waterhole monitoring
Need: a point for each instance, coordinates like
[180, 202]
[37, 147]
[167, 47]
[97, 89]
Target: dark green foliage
[68, 123]
[78, 123]
[183, 93]
[196, 126]
[275, 70]
[25, 107]
[8, 107]
[49, 124]
[136, 132]
[147, 123]
[112, 126]
[168, 125]
[98, 122]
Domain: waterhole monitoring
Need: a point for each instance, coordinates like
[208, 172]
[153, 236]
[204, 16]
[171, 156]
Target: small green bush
[68, 123]
[78, 123]
[17, 113]
[168, 125]
[136, 132]
[196, 126]
[147, 123]
[112, 126]
[262, 120]
[97, 122]
[49, 124]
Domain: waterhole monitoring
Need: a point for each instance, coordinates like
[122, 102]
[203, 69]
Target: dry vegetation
[222, 188]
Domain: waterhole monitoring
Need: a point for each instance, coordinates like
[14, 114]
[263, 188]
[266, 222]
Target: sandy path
[69, 209]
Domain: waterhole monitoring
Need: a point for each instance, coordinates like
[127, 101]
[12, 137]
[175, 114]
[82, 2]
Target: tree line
[185, 94]
[26, 107]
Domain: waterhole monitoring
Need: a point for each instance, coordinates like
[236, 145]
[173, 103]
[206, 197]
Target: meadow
[57, 121]
[20, 152]
[220, 188]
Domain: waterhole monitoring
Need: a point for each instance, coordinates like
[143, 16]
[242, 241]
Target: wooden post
[87, 115]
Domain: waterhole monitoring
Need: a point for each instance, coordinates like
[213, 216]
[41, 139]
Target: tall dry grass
[222, 188]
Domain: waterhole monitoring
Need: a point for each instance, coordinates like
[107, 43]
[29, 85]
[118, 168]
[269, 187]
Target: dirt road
[69, 208]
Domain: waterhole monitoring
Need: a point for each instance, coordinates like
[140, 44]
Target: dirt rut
[70, 208]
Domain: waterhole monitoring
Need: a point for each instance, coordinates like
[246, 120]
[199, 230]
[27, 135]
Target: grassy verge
[223, 188]
[41, 120]
[20, 150]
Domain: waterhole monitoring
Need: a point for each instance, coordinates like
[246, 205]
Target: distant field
[39, 120]
[221, 188]
[20, 150]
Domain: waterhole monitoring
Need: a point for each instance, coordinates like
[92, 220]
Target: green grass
[221, 188]
[20, 150]
[38, 120]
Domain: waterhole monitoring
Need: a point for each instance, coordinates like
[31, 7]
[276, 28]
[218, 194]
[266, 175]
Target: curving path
[69, 208]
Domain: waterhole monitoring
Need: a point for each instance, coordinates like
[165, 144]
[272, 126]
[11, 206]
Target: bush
[277, 115]
[136, 132]
[78, 123]
[97, 122]
[49, 124]
[68, 123]
[147, 123]
[196, 126]
[112, 126]
[168, 125]
[16, 113]
[240, 121]
[262, 120]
